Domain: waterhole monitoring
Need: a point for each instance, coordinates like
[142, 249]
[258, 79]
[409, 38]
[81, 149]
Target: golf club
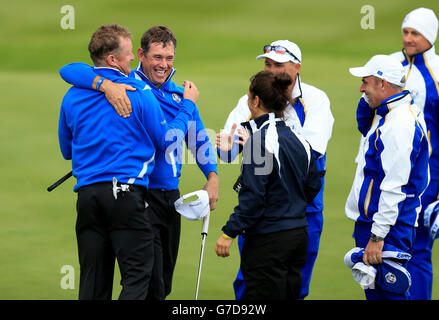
[204, 229]
[57, 183]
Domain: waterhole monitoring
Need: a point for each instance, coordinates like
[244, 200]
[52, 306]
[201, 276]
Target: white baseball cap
[196, 209]
[424, 21]
[282, 51]
[383, 67]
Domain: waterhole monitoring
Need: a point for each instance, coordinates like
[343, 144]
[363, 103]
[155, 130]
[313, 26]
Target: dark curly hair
[157, 34]
[271, 88]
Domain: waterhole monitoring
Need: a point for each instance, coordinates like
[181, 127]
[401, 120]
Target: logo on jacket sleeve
[176, 97]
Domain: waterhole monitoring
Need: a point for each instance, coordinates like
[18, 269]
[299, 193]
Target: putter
[56, 184]
[204, 229]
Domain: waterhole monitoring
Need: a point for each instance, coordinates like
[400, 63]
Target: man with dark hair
[157, 34]
[112, 159]
[156, 55]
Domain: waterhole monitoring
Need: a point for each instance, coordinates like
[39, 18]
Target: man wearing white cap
[309, 115]
[421, 64]
[392, 170]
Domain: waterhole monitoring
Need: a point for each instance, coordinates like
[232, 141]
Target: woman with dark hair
[278, 178]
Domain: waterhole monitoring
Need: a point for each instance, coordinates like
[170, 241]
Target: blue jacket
[168, 164]
[170, 97]
[278, 178]
[390, 276]
[392, 171]
[422, 75]
[103, 145]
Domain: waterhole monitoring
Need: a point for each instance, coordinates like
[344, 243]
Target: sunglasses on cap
[279, 50]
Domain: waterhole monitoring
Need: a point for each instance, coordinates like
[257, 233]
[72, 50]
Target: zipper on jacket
[411, 60]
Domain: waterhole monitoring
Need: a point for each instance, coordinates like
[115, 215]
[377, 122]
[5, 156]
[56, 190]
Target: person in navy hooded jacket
[278, 178]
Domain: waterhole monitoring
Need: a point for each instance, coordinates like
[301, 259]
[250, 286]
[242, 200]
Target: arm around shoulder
[78, 74]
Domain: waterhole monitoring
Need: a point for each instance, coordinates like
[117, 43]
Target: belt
[123, 187]
[131, 187]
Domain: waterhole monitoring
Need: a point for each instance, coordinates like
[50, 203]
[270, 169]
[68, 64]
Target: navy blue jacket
[278, 178]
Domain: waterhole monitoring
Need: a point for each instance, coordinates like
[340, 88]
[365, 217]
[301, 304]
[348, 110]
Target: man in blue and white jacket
[421, 65]
[112, 158]
[155, 70]
[419, 31]
[310, 116]
[392, 171]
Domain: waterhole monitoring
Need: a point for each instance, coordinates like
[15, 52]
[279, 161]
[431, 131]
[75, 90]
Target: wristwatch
[375, 238]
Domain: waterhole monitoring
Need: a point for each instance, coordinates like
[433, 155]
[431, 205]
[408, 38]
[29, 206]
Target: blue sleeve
[251, 199]
[163, 134]
[199, 144]
[365, 115]
[183, 117]
[78, 74]
[65, 136]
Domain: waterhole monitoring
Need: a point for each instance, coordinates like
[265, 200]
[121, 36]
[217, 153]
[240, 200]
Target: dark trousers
[109, 229]
[272, 264]
[166, 222]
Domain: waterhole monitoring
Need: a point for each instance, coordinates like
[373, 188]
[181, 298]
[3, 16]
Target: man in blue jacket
[112, 158]
[421, 65]
[392, 169]
[155, 69]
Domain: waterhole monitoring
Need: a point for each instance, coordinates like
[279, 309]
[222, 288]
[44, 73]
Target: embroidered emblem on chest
[176, 97]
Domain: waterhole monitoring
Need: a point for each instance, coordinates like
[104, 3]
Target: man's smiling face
[158, 62]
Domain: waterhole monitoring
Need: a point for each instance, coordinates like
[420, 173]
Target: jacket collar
[256, 124]
[109, 72]
[297, 90]
[393, 102]
[420, 58]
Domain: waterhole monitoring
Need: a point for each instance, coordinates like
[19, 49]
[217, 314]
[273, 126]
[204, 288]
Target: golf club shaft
[205, 226]
[204, 230]
[57, 183]
[199, 267]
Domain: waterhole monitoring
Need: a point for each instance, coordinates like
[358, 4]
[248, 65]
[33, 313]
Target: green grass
[217, 45]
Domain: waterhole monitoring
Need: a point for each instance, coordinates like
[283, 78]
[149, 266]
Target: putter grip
[56, 184]
[205, 226]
